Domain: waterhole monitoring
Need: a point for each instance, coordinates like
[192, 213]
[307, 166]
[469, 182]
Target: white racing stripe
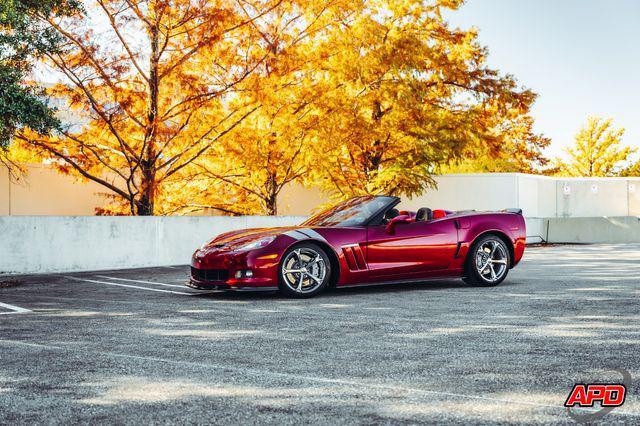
[129, 286]
[14, 309]
[140, 281]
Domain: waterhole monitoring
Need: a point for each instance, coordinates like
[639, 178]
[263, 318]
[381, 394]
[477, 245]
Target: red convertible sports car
[364, 240]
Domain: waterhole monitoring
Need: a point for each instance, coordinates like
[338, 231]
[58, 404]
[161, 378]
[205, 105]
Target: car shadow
[427, 285]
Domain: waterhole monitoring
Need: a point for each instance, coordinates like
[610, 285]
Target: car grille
[209, 274]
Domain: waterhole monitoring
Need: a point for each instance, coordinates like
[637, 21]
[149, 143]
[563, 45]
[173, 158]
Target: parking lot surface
[137, 346]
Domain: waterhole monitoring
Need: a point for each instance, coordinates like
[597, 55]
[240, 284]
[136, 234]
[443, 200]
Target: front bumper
[212, 286]
[216, 269]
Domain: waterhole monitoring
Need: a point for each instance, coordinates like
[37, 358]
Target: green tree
[597, 150]
[21, 41]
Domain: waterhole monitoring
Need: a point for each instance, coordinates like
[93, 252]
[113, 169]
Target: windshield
[353, 212]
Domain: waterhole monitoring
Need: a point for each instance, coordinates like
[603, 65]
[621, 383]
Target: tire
[305, 271]
[488, 262]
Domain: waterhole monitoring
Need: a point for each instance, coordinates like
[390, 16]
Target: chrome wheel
[304, 270]
[492, 260]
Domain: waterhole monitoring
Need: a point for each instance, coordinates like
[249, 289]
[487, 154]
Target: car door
[411, 250]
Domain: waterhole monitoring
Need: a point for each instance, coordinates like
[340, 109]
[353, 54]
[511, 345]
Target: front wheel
[487, 262]
[305, 271]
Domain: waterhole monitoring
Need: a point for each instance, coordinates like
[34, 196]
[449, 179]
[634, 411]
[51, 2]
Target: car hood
[234, 239]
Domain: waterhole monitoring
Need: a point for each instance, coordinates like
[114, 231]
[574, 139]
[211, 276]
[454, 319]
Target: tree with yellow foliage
[274, 146]
[406, 93]
[596, 151]
[519, 150]
[155, 87]
[633, 170]
[193, 104]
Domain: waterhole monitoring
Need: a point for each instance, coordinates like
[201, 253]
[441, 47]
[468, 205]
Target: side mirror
[391, 226]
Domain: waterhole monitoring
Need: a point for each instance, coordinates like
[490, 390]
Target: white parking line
[15, 309]
[140, 281]
[129, 286]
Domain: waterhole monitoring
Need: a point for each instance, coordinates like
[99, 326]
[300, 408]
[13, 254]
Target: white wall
[590, 197]
[537, 196]
[591, 230]
[38, 244]
[43, 191]
[481, 191]
[536, 229]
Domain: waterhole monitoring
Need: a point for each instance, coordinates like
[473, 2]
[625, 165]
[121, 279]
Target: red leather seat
[439, 214]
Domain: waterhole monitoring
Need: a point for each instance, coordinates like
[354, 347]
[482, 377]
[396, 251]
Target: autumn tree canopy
[517, 148]
[155, 86]
[406, 93]
[191, 104]
[274, 145]
[597, 150]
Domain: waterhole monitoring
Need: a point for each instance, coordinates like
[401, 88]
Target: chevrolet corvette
[364, 240]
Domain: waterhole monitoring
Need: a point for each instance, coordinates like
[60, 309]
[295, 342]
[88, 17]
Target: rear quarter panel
[510, 225]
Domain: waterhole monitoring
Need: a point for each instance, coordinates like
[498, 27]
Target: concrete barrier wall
[537, 196]
[594, 197]
[39, 244]
[45, 244]
[536, 230]
[625, 229]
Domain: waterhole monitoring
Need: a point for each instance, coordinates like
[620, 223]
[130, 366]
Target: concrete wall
[44, 244]
[5, 194]
[296, 200]
[469, 191]
[590, 197]
[624, 229]
[536, 229]
[32, 244]
[537, 196]
[45, 192]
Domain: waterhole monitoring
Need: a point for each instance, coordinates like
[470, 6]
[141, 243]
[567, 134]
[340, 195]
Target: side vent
[354, 257]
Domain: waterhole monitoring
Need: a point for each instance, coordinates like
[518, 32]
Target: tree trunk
[148, 161]
[272, 206]
[271, 201]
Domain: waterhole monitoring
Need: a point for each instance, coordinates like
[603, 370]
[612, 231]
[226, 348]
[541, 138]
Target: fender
[512, 227]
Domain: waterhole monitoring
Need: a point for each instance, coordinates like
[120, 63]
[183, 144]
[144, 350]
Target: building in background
[44, 191]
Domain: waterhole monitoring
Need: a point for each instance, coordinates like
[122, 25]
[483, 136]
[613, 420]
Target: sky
[582, 57]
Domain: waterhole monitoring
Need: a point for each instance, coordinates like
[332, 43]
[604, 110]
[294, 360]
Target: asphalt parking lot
[137, 347]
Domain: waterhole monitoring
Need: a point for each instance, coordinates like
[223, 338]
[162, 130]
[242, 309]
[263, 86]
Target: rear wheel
[487, 262]
[305, 271]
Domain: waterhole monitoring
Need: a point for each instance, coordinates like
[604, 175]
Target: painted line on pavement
[129, 286]
[141, 281]
[14, 309]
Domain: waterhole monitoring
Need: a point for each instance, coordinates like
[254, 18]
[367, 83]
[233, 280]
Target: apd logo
[606, 395]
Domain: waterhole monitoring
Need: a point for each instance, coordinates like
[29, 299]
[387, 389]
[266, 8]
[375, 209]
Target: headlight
[262, 242]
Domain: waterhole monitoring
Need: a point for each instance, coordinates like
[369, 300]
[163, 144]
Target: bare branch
[77, 167]
[114, 25]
